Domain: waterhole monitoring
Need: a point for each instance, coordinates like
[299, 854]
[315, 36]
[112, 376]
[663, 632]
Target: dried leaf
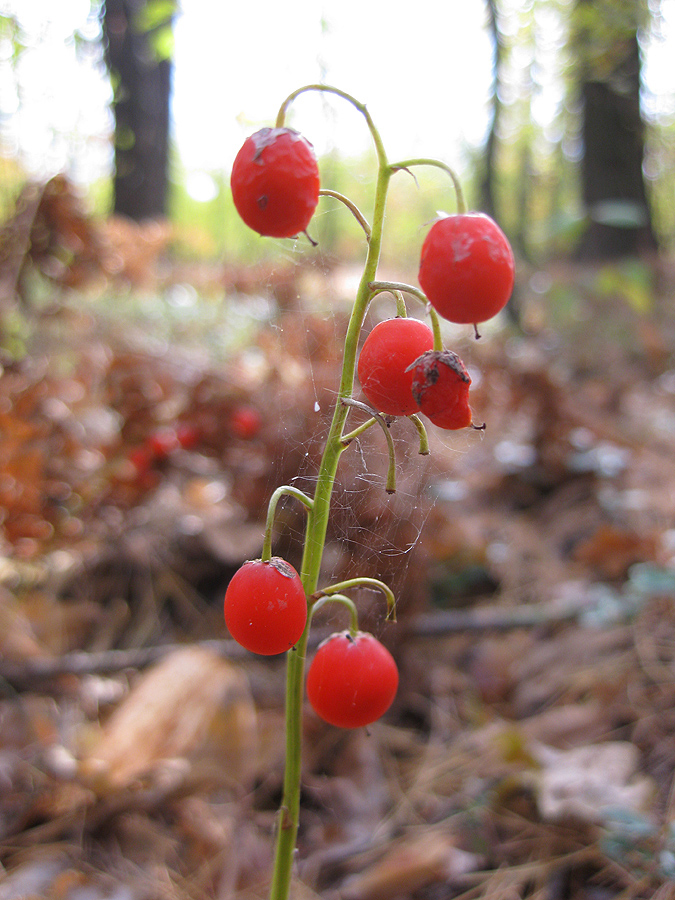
[17, 639]
[410, 864]
[611, 550]
[192, 705]
[586, 782]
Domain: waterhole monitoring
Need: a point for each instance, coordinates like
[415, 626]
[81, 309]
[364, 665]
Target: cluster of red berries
[401, 374]
[352, 679]
[467, 274]
[160, 445]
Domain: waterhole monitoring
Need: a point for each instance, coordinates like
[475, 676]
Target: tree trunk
[487, 186]
[613, 186]
[142, 91]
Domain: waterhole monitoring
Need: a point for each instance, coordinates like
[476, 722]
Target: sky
[423, 69]
[423, 73]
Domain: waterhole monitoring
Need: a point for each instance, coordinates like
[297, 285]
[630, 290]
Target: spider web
[370, 533]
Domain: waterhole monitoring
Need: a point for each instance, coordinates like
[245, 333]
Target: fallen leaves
[191, 708]
[590, 782]
[530, 750]
[411, 863]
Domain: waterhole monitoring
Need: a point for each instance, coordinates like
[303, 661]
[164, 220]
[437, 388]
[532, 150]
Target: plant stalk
[317, 519]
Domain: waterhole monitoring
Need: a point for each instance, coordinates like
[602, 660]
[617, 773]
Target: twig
[16, 241]
[450, 621]
[31, 673]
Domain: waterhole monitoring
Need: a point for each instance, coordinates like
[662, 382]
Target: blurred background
[163, 370]
[557, 115]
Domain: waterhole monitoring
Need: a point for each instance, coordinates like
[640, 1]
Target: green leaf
[155, 14]
[162, 43]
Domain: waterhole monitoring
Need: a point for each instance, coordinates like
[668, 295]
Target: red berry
[142, 459]
[245, 422]
[467, 268]
[188, 435]
[265, 606]
[163, 442]
[352, 680]
[441, 388]
[275, 182]
[383, 364]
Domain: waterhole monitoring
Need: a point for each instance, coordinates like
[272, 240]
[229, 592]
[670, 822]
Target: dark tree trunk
[488, 182]
[612, 178]
[143, 88]
[487, 186]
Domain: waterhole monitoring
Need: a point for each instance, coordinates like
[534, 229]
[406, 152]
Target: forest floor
[531, 749]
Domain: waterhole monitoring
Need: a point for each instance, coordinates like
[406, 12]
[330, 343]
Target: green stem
[351, 206]
[383, 422]
[407, 164]
[397, 288]
[345, 601]
[423, 436]
[381, 287]
[436, 328]
[348, 438]
[327, 89]
[401, 309]
[284, 490]
[317, 519]
[363, 581]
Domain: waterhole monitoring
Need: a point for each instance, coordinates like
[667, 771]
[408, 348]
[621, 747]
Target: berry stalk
[317, 519]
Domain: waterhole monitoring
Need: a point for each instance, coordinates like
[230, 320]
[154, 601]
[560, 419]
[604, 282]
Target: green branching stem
[285, 490]
[417, 422]
[422, 433]
[352, 435]
[363, 581]
[398, 288]
[351, 206]
[407, 164]
[317, 518]
[384, 423]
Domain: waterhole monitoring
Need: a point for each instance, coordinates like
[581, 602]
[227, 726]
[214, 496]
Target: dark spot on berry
[282, 567]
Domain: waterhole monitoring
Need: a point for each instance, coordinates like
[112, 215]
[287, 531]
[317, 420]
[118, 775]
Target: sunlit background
[426, 86]
[425, 73]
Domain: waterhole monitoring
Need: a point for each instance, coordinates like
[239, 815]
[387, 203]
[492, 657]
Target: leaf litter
[531, 749]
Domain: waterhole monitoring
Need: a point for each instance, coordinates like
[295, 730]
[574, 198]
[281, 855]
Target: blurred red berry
[163, 442]
[141, 458]
[188, 435]
[245, 422]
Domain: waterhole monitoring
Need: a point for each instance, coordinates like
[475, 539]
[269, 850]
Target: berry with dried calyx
[441, 389]
[352, 680]
[265, 606]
